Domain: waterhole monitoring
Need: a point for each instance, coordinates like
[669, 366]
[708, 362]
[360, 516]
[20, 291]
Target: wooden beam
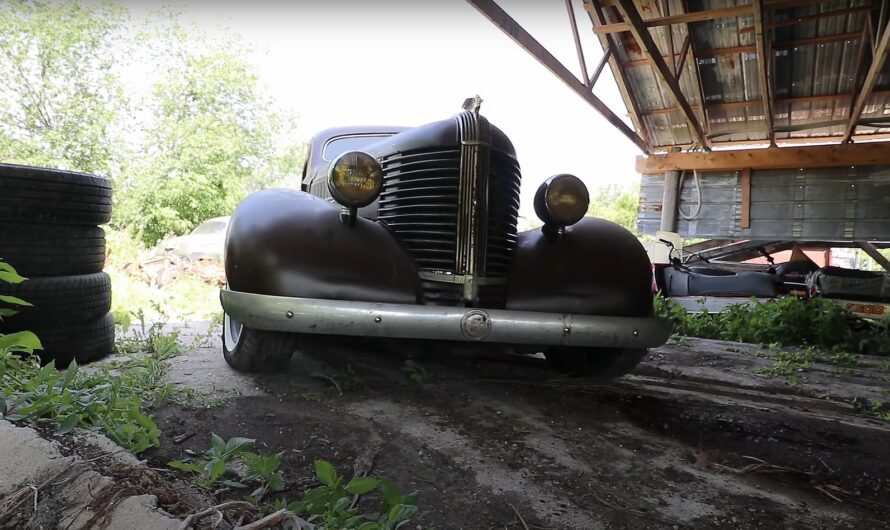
[523, 38]
[597, 18]
[778, 102]
[684, 52]
[629, 12]
[765, 65]
[706, 123]
[683, 18]
[874, 254]
[745, 184]
[577, 37]
[871, 78]
[816, 156]
[736, 50]
[599, 68]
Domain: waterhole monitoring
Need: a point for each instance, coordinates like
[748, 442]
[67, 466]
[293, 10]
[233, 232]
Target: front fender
[286, 242]
[596, 268]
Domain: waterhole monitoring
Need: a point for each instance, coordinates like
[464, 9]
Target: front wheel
[254, 350]
[602, 363]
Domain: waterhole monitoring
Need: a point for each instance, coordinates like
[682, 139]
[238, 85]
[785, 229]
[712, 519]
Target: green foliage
[146, 338]
[879, 410]
[60, 98]
[786, 322]
[331, 506]
[109, 400]
[213, 137]
[616, 203]
[73, 96]
[219, 465]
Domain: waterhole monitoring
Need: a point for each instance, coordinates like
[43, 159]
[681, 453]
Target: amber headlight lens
[562, 200]
[355, 179]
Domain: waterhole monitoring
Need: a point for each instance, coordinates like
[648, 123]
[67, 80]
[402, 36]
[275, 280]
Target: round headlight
[562, 200]
[355, 179]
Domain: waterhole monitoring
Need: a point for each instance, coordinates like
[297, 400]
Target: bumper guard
[339, 317]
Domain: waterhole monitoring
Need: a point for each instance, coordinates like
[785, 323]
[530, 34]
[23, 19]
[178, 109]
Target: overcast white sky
[407, 63]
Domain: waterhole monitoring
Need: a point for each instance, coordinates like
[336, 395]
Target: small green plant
[103, 401]
[332, 506]
[879, 410]
[216, 466]
[146, 338]
[415, 372]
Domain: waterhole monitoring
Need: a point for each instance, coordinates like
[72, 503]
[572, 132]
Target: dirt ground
[694, 439]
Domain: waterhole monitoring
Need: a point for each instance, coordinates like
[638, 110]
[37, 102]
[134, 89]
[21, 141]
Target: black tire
[50, 250]
[601, 363]
[40, 195]
[253, 350]
[80, 341]
[59, 298]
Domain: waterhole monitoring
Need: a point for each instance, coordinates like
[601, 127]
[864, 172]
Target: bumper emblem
[475, 324]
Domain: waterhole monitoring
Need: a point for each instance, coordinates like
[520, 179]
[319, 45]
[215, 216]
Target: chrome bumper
[369, 319]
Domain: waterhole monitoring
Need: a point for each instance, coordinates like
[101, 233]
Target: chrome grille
[421, 203]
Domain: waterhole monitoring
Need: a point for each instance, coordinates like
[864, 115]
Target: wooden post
[670, 201]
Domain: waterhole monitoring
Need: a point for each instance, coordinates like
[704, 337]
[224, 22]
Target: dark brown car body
[442, 233]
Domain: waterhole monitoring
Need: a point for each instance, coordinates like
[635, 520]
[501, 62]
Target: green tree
[212, 138]
[617, 203]
[60, 97]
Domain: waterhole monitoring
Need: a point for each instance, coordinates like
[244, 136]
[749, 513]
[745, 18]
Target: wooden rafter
[578, 48]
[598, 18]
[735, 50]
[599, 67]
[776, 102]
[639, 31]
[683, 18]
[815, 156]
[871, 78]
[696, 74]
[523, 38]
[765, 65]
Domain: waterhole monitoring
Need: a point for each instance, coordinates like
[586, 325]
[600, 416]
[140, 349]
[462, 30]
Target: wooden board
[808, 157]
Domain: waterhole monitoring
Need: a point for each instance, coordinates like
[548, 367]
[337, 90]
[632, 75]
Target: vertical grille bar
[472, 220]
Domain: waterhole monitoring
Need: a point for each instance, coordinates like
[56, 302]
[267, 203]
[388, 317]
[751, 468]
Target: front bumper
[407, 321]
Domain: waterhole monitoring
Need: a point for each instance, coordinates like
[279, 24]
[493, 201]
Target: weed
[103, 401]
[332, 506]
[787, 321]
[215, 466]
[879, 410]
[146, 338]
[415, 372]
[789, 363]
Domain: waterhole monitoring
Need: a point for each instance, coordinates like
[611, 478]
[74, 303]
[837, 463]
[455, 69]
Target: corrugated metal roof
[814, 62]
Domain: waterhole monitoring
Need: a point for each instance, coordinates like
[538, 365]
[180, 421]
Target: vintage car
[410, 233]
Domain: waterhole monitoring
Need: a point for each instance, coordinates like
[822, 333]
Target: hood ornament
[472, 104]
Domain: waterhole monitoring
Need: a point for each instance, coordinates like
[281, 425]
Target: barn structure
[762, 123]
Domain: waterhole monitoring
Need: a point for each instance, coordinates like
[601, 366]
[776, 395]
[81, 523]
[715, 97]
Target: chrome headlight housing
[354, 179]
[561, 200]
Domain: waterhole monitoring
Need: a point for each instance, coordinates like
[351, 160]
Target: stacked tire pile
[49, 233]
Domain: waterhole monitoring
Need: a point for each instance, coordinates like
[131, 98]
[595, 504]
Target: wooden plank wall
[850, 203]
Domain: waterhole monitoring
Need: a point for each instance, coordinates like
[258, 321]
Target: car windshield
[212, 227]
[349, 143]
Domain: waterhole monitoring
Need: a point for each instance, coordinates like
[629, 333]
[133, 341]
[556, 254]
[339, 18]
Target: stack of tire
[49, 233]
